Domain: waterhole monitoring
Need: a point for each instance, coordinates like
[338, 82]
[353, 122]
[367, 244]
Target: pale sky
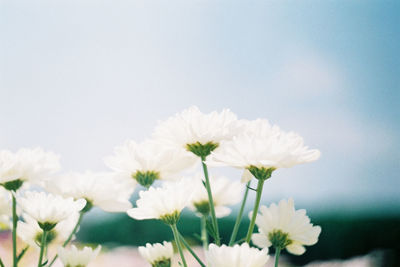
[80, 77]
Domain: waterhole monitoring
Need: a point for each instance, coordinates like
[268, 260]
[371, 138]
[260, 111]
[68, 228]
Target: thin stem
[204, 235]
[178, 243]
[277, 253]
[42, 247]
[190, 250]
[14, 231]
[255, 210]
[70, 236]
[211, 201]
[239, 216]
[1, 263]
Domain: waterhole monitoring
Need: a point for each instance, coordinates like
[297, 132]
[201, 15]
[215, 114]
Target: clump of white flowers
[238, 256]
[51, 212]
[281, 226]
[158, 255]
[74, 257]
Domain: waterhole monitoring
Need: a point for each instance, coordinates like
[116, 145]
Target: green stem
[70, 236]
[277, 253]
[255, 210]
[204, 235]
[42, 247]
[1, 263]
[239, 216]
[178, 243]
[190, 250]
[211, 201]
[14, 231]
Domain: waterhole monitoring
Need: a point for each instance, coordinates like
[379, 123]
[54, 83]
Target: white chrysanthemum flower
[148, 161]
[224, 192]
[158, 254]
[49, 209]
[197, 132]
[73, 257]
[30, 232]
[164, 203]
[236, 256]
[104, 190]
[284, 227]
[5, 208]
[32, 165]
[262, 149]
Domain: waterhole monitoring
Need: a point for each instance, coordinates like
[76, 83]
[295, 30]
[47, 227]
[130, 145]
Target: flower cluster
[165, 169]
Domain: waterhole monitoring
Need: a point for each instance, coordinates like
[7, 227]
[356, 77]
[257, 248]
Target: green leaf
[210, 229]
[22, 253]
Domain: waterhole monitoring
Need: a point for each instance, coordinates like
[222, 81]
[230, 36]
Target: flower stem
[42, 247]
[190, 250]
[211, 202]
[14, 231]
[255, 209]
[277, 253]
[204, 235]
[70, 236]
[239, 216]
[178, 243]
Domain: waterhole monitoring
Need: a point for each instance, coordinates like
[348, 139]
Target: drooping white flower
[164, 203]
[5, 208]
[49, 209]
[148, 161]
[224, 191]
[31, 165]
[158, 254]
[30, 232]
[284, 227]
[74, 257]
[236, 256]
[104, 190]
[261, 149]
[197, 132]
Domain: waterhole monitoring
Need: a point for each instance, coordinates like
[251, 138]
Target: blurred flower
[104, 190]
[30, 232]
[73, 257]
[164, 203]
[284, 227]
[31, 165]
[148, 161]
[224, 192]
[238, 256]
[197, 132]
[262, 149]
[158, 255]
[49, 209]
[5, 208]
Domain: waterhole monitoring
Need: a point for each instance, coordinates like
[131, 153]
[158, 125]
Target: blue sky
[79, 77]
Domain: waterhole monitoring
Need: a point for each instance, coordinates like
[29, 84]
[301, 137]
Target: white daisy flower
[284, 227]
[49, 209]
[197, 132]
[224, 192]
[104, 190]
[158, 255]
[262, 149]
[30, 232]
[164, 203]
[148, 161]
[26, 165]
[237, 256]
[5, 208]
[74, 257]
